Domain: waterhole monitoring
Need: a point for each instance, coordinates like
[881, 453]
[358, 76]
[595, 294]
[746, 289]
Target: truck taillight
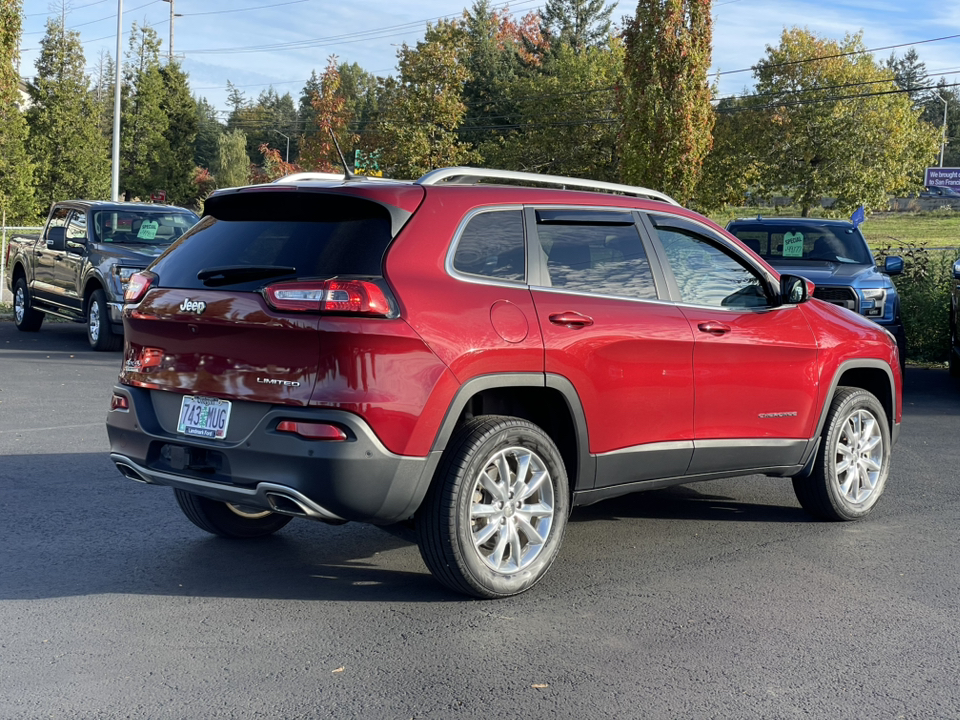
[137, 287]
[343, 297]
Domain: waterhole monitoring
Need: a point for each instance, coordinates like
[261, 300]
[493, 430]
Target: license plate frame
[204, 417]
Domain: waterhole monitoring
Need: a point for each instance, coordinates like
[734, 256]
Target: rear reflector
[312, 431]
[343, 297]
[137, 287]
[119, 402]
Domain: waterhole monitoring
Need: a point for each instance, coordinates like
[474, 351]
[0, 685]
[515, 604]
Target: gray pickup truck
[79, 267]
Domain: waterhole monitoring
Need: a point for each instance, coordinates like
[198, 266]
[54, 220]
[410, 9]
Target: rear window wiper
[233, 274]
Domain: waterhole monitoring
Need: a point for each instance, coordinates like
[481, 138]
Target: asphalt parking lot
[717, 600]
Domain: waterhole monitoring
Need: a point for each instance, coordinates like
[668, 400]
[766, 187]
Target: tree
[65, 141]
[16, 169]
[565, 118]
[830, 122]
[271, 119]
[580, 24]
[209, 130]
[933, 111]
[665, 97]
[233, 163]
[418, 127]
[910, 74]
[175, 167]
[104, 78]
[330, 114]
[496, 57]
[144, 121]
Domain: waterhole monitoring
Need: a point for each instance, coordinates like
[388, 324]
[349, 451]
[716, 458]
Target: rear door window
[299, 235]
[596, 252]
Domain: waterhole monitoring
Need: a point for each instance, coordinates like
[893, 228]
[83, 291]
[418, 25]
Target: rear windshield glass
[785, 243]
[141, 227]
[278, 236]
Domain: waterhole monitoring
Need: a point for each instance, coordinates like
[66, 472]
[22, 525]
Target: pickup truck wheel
[228, 520]
[99, 333]
[853, 460]
[24, 316]
[493, 519]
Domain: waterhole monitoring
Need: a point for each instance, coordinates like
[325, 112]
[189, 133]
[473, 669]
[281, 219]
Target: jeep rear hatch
[239, 306]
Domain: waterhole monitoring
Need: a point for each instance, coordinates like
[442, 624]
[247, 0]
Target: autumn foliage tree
[330, 115]
[665, 97]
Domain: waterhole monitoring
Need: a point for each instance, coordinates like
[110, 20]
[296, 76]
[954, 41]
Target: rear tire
[99, 333]
[226, 519]
[25, 317]
[493, 520]
[853, 460]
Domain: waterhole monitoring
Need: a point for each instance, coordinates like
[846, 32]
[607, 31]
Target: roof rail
[297, 177]
[454, 175]
[331, 177]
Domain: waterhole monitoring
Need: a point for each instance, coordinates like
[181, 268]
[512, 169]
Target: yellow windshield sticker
[148, 230]
[793, 245]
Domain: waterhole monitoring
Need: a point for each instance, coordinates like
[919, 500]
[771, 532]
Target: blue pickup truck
[835, 256]
[79, 267]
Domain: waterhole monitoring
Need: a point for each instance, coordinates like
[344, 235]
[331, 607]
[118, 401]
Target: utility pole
[172, 16]
[115, 179]
[943, 141]
[288, 144]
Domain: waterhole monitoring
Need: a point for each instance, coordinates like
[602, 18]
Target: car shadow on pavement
[74, 528]
[690, 502]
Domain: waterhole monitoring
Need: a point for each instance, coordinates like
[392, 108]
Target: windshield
[781, 244]
[141, 226]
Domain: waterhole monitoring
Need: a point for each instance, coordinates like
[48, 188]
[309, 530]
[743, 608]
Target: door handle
[571, 319]
[714, 328]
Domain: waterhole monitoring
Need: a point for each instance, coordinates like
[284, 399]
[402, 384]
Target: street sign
[158, 196]
[942, 177]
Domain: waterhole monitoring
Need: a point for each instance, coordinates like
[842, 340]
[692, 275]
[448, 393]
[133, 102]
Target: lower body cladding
[259, 466]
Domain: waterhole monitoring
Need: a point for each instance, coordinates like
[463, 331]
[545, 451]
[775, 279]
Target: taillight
[137, 287]
[347, 297]
[313, 430]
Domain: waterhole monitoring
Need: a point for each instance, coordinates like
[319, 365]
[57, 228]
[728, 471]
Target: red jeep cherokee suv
[480, 358]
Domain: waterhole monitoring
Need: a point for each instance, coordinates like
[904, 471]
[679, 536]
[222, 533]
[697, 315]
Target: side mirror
[794, 289]
[893, 265]
[956, 270]
[56, 238]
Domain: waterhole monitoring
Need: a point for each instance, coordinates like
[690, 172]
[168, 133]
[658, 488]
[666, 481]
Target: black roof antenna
[347, 175]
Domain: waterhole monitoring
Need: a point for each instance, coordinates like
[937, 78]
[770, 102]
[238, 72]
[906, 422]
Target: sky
[256, 44]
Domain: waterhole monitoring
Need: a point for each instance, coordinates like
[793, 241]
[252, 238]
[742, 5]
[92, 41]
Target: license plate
[204, 417]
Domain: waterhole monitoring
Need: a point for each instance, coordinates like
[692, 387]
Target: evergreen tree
[67, 147]
[16, 169]
[910, 74]
[577, 23]
[104, 78]
[305, 112]
[209, 130]
[175, 166]
[933, 111]
[144, 122]
[668, 119]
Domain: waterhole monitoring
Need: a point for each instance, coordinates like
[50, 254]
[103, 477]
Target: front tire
[226, 519]
[24, 316]
[853, 460]
[99, 333]
[493, 519]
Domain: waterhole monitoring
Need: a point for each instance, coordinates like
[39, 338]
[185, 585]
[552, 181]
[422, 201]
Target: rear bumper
[357, 479]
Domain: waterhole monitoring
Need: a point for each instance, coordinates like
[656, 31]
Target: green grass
[935, 229]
